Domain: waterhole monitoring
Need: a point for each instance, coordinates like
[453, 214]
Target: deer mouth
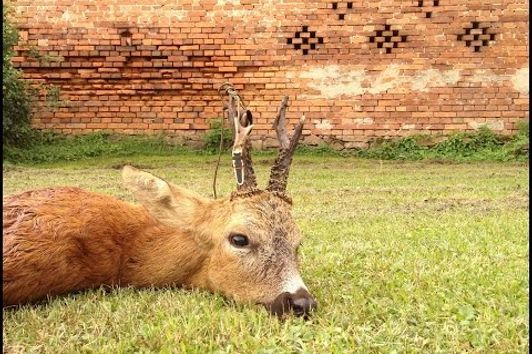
[300, 304]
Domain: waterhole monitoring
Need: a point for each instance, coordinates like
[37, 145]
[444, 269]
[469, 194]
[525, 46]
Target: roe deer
[60, 240]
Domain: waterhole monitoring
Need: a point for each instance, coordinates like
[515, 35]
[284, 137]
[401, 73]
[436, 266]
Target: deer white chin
[293, 283]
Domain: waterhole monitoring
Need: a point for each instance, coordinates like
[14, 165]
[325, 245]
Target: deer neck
[160, 255]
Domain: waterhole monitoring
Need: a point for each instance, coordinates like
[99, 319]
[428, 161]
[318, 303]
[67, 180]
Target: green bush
[402, 149]
[212, 137]
[522, 128]
[322, 149]
[19, 96]
[480, 145]
[17, 101]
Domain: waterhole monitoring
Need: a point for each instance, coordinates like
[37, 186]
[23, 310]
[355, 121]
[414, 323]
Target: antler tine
[281, 167]
[240, 120]
[279, 124]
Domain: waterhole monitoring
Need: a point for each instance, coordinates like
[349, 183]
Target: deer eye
[239, 240]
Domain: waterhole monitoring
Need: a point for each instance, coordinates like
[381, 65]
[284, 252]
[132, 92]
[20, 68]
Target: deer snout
[300, 303]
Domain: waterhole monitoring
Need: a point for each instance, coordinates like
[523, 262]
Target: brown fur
[66, 239]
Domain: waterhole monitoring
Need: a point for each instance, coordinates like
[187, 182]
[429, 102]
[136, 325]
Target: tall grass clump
[55, 147]
[480, 145]
[212, 137]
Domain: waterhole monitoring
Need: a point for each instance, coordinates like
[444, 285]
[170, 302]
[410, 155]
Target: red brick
[164, 77]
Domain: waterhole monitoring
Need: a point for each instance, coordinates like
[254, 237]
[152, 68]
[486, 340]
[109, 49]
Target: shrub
[212, 137]
[480, 145]
[17, 101]
[402, 149]
[522, 128]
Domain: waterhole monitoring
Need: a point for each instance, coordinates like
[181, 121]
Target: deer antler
[281, 167]
[241, 124]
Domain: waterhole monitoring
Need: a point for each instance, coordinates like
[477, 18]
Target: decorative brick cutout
[125, 37]
[341, 7]
[426, 6]
[305, 40]
[125, 32]
[477, 35]
[387, 38]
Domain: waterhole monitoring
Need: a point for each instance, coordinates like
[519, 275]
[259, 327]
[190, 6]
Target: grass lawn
[403, 257]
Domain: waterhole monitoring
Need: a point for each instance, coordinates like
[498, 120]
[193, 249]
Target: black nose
[301, 303]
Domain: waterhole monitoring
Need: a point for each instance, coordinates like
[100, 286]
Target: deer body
[60, 240]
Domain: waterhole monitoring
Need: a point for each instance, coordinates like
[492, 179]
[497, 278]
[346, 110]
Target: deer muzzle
[300, 303]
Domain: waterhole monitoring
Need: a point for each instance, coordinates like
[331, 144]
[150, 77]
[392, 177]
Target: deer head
[249, 240]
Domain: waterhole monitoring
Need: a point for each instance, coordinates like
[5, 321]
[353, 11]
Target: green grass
[51, 147]
[403, 257]
[480, 145]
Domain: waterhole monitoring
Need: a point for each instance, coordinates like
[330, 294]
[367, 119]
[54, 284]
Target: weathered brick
[426, 75]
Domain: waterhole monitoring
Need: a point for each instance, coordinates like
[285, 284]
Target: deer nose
[300, 303]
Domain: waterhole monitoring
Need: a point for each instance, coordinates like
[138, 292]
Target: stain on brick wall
[357, 69]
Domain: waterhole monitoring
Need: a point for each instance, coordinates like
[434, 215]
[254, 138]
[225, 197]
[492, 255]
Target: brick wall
[357, 69]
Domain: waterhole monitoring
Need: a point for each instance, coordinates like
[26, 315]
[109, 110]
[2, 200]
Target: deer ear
[169, 204]
[144, 185]
[249, 118]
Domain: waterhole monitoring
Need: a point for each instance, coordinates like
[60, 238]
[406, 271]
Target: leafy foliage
[322, 149]
[481, 145]
[212, 137]
[523, 128]
[19, 96]
[17, 100]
